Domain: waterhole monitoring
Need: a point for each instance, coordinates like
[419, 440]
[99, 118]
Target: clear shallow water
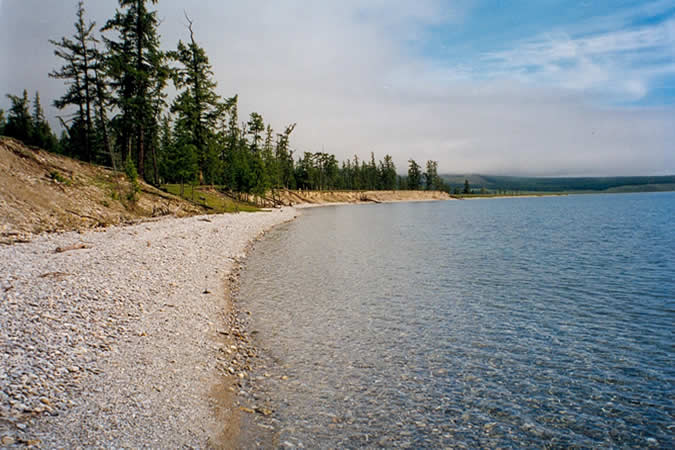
[512, 322]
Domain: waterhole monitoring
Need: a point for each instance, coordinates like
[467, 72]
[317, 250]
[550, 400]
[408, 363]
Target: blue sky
[543, 87]
[620, 52]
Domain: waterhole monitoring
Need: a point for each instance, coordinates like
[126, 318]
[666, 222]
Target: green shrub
[54, 175]
[132, 176]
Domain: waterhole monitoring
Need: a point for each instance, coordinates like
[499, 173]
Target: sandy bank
[120, 340]
[304, 198]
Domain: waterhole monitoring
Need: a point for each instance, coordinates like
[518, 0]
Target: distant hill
[494, 183]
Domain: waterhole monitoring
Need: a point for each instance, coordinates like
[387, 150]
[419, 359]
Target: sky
[539, 88]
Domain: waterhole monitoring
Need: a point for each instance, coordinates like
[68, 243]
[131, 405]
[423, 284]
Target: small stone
[7, 440]
[263, 411]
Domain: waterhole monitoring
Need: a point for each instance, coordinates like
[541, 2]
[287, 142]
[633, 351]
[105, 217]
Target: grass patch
[213, 200]
[56, 176]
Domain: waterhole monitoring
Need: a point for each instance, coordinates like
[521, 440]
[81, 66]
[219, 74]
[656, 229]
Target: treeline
[511, 185]
[26, 121]
[116, 113]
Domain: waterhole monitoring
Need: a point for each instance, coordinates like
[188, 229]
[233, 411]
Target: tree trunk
[87, 98]
[141, 153]
[154, 165]
[141, 91]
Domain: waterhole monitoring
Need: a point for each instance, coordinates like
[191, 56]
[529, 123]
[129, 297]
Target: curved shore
[121, 338]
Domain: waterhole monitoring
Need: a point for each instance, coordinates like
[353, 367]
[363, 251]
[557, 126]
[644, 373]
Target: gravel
[117, 340]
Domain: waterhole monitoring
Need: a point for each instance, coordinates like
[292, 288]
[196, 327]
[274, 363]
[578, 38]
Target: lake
[506, 322]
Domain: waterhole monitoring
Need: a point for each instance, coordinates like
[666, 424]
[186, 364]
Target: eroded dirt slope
[299, 197]
[45, 192]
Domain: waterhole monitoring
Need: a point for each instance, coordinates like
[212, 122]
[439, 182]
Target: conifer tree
[414, 175]
[388, 173]
[78, 54]
[431, 176]
[197, 106]
[19, 121]
[42, 135]
[165, 150]
[285, 158]
[138, 70]
[103, 100]
[270, 160]
[231, 138]
[256, 126]
[2, 121]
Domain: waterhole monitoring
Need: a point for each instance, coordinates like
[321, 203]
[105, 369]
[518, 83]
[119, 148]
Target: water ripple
[524, 322]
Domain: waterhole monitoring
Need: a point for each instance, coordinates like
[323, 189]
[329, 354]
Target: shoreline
[125, 336]
[130, 334]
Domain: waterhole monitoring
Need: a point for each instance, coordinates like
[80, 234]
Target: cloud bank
[352, 76]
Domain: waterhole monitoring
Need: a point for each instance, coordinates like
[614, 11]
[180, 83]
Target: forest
[115, 111]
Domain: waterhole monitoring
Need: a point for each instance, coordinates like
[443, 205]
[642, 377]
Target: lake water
[507, 322]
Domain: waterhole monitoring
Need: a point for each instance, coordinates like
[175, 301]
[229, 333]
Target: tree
[467, 188]
[198, 107]
[270, 160]
[285, 158]
[230, 137]
[42, 135]
[431, 179]
[388, 173]
[165, 150]
[182, 164]
[138, 71]
[78, 54]
[2, 122]
[414, 175]
[103, 100]
[19, 121]
[256, 126]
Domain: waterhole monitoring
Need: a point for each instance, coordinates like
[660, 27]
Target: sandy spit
[116, 338]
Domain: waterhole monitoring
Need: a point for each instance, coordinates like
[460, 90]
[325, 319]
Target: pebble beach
[122, 337]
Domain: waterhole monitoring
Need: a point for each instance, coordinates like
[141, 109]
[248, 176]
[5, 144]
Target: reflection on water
[542, 321]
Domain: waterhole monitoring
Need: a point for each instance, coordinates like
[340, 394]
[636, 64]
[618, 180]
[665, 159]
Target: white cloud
[346, 73]
[616, 65]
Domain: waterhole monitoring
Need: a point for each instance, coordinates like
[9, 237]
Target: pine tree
[388, 173]
[165, 151]
[103, 100]
[285, 158]
[230, 135]
[198, 107]
[78, 54]
[467, 188]
[357, 178]
[19, 121]
[431, 179]
[256, 126]
[42, 135]
[2, 122]
[269, 157]
[414, 175]
[138, 70]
